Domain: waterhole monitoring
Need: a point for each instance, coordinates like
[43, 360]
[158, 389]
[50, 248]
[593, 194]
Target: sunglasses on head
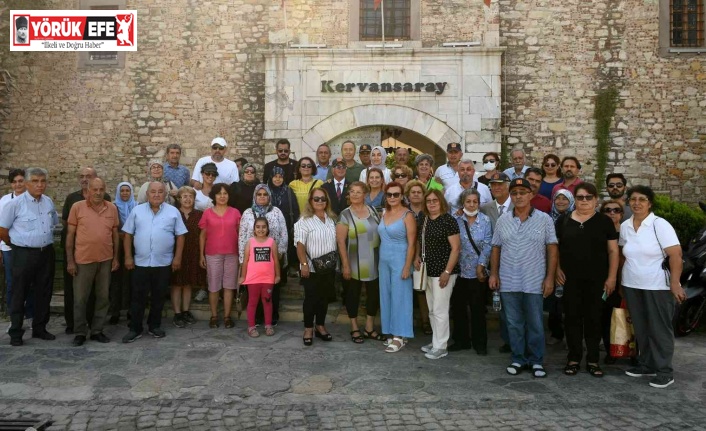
[319, 199]
[612, 210]
[393, 195]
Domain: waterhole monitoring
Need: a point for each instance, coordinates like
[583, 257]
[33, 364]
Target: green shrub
[685, 219]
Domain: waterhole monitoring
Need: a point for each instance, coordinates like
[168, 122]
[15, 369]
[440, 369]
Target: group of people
[522, 232]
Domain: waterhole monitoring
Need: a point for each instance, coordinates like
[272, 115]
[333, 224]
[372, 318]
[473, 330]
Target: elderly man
[616, 186]
[323, 157]
[523, 264]
[540, 202]
[364, 155]
[448, 174]
[353, 168]
[500, 188]
[91, 255]
[570, 169]
[283, 161]
[27, 224]
[154, 227]
[173, 171]
[466, 172]
[518, 164]
[337, 187]
[402, 156]
[86, 174]
[227, 169]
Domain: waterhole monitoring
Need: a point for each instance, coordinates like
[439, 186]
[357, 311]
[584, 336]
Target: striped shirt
[319, 237]
[523, 254]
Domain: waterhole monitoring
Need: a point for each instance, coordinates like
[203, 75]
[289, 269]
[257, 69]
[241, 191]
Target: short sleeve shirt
[583, 248]
[154, 235]
[437, 248]
[179, 175]
[227, 171]
[221, 231]
[94, 231]
[363, 244]
[318, 237]
[30, 221]
[523, 253]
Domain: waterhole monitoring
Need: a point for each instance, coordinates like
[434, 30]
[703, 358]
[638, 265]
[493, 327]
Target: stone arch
[357, 117]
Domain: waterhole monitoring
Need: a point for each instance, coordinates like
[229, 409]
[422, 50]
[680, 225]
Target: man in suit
[337, 187]
[500, 187]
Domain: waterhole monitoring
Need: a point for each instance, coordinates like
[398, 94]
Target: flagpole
[382, 10]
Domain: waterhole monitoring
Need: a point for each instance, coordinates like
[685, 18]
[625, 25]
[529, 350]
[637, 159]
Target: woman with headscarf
[562, 203]
[262, 207]
[120, 283]
[241, 193]
[155, 172]
[283, 198]
[377, 160]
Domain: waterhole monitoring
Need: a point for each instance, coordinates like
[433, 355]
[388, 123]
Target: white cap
[219, 141]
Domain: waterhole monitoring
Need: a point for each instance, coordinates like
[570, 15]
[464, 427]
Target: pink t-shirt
[221, 232]
[261, 264]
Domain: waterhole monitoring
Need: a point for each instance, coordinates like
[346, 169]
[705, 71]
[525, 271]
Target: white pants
[438, 300]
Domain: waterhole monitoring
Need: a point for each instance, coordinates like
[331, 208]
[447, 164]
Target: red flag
[376, 5]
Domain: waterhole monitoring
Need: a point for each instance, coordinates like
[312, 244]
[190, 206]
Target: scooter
[688, 314]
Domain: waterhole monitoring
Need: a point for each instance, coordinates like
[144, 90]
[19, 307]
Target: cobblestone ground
[204, 379]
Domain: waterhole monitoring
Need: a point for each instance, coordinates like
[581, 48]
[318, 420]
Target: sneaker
[436, 353]
[157, 332]
[131, 337]
[188, 317]
[201, 296]
[639, 372]
[661, 381]
[552, 341]
[179, 320]
[428, 348]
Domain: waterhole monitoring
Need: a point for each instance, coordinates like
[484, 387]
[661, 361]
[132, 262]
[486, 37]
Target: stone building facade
[231, 68]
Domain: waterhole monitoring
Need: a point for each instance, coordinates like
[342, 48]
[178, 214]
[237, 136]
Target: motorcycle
[688, 314]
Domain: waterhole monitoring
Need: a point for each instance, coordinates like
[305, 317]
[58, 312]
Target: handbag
[687, 264]
[622, 334]
[420, 277]
[325, 263]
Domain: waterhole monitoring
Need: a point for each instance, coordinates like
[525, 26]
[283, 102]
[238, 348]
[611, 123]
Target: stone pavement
[200, 378]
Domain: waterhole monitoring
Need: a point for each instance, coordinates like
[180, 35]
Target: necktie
[338, 190]
[502, 210]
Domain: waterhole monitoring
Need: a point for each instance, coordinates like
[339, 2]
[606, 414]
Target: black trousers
[153, 281]
[120, 286]
[317, 289]
[554, 307]
[352, 290]
[469, 295]
[583, 307]
[32, 275]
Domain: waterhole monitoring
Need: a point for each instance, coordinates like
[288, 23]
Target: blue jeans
[525, 326]
[29, 302]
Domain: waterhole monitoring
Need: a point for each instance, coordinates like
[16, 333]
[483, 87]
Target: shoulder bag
[325, 263]
[687, 265]
[420, 277]
[473, 244]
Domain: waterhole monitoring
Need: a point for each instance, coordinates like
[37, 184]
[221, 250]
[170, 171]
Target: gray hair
[466, 161]
[465, 194]
[423, 157]
[173, 147]
[517, 150]
[37, 172]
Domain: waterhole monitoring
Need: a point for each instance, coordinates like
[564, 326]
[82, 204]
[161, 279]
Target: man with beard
[283, 161]
[466, 172]
[616, 186]
[570, 168]
[227, 169]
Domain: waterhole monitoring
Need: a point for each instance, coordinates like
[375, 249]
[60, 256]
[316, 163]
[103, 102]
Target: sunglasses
[217, 147]
[393, 195]
[584, 197]
[306, 166]
[615, 185]
[319, 199]
[282, 151]
[210, 174]
[249, 171]
[400, 175]
[550, 165]
[612, 210]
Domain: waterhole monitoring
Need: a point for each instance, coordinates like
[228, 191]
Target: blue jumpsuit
[395, 293]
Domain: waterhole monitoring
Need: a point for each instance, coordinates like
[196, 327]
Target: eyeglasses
[516, 194]
[612, 210]
[640, 199]
[550, 165]
[319, 199]
[306, 166]
[400, 175]
[282, 150]
[249, 171]
[210, 174]
[615, 185]
[584, 197]
[393, 195]
[432, 201]
[217, 147]
[339, 166]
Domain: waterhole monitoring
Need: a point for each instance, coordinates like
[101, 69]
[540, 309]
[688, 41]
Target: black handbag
[325, 263]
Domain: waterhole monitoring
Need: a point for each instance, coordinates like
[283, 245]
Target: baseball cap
[339, 161]
[219, 141]
[454, 146]
[499, 177]
[520, 182]
[365, 148]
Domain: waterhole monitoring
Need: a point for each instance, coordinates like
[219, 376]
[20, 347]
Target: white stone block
[294, 123]
[477, 86]
[451, 107]
[486, 107]
[471, 122]
[365, 115]
[437, 130]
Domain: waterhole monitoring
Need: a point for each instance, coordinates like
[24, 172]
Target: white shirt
[454, 192]
[447, 175]
[386, 174]
[202, 202]
[4, 201]
[643, 255]
[227, 171]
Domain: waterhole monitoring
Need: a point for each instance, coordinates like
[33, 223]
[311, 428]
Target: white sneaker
[428, 348]
[436, 353]
[201, 295]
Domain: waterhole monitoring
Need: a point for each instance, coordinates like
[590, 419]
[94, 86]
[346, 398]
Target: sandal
[252, 332]
[395, 346]
[571, 369]
[426, 327]
[594, 370]
[373, 335]
[514, 369]
[357, 339]
[269, 331]
[228, 322]
[538, 371]
[213, 322]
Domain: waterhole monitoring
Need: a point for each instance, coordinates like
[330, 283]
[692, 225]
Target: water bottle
[496, 301]
[559, 291]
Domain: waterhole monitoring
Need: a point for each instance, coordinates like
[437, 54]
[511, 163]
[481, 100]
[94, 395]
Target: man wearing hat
[466, 174]
[448, 174]
[337, 187]
[364, 155]
[21, 26]
[523, 264]
[500, 188]
[227, 169]
[353, 168]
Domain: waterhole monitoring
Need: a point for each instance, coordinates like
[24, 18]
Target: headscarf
[277, 193]
[149, 170]
[124, 208]
[572, 203]
[249, 165]
[259, 210]
[382, 165]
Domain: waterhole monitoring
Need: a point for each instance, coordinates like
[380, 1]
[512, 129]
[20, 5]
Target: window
[687, 23]
[397, 20]
[94, 59]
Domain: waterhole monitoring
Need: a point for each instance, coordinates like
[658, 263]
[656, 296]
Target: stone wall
[559, 54]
